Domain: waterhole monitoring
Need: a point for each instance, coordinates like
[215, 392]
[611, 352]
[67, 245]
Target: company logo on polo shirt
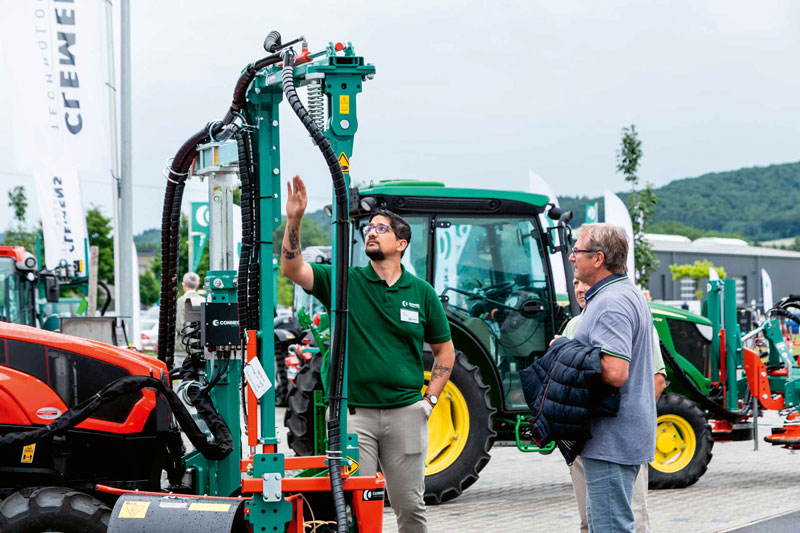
[410, 304]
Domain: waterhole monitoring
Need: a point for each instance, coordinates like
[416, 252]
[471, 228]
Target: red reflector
[339, 47]
[316, 319]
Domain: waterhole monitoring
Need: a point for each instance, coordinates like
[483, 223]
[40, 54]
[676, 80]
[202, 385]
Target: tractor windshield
[14, 301]
[487, 269]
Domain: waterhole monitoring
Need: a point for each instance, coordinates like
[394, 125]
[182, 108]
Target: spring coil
[316, 103]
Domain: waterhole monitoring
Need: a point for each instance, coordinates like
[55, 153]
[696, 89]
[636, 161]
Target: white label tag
[256, 378]
[407, 315]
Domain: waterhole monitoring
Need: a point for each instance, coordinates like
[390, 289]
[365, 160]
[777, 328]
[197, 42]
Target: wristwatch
[432, 398]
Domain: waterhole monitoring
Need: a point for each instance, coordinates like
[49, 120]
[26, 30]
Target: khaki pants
[398, 439]
[639, 504]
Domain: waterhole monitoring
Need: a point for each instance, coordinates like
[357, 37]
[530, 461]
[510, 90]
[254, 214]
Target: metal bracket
[271, 490]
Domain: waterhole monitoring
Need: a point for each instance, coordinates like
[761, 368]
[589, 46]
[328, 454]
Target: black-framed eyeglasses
[379, 228]
[576, 251]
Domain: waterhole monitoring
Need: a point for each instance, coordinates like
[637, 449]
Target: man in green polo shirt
[391, 313]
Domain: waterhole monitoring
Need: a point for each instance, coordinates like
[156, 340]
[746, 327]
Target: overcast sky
[477, 93]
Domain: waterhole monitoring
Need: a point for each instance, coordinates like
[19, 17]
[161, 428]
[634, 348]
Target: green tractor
[488, 255]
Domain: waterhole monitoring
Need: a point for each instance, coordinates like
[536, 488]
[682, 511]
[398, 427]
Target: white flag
[617, 214]
[55, 56]
[537, 185]
[766, 287]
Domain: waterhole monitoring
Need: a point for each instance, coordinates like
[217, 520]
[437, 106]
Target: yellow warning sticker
[133, 509]
[352, 466]
[344, 104]
[344, 163]
[27, 453]
[215, 507]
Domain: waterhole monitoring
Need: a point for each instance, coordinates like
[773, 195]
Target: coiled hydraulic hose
[170, 219]
[342, 243]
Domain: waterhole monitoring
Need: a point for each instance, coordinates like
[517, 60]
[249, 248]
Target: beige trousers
[398, 440]
[639, 504]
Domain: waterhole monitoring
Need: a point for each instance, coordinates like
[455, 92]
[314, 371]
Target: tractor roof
[135, 362]
[411, 187]
[668, 311]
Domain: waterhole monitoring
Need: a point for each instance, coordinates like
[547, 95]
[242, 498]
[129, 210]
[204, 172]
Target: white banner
[63, 221]
[617, 213]
[766, 287]
[55, 56]
[537, 185]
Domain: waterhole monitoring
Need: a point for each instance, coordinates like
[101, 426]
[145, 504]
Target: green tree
[17, 233]
[697, 271]
[310, 235]
[149, 289]
[640, 204]
[101, 235]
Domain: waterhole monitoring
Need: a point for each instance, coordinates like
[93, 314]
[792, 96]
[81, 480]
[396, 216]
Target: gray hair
[191, 280]
[609, 239]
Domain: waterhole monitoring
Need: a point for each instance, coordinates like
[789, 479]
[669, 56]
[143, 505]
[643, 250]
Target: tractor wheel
[36, 509]
[281, 381]
[683, 444]
[460, 432]
[299, 417]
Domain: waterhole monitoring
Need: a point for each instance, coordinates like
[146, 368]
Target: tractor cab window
[9, 291]
[415, 260]
[490, 273]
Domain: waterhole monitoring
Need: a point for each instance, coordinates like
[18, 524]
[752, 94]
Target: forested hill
[759, 203]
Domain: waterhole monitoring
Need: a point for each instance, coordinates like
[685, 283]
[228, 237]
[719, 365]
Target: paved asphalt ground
[530, 492]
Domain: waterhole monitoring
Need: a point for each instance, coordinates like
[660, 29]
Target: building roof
[713, 245]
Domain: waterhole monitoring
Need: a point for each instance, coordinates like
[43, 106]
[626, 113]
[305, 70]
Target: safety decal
[344, 163]
[344, 104]
[27, 453]
[352, 466]
[214, 507]
[133, 509]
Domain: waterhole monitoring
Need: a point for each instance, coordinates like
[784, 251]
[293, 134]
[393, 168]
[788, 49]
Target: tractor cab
[486, 255]
[17, 286]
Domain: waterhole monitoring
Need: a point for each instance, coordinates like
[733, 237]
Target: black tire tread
[36, 509]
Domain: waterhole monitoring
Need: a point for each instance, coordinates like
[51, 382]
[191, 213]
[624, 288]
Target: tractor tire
[460, 432]
[281, 380]
[683, 443]
[299, 417]
[36, 509]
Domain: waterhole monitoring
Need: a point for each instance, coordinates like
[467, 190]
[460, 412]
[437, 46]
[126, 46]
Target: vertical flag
[591, 213]
[766, 287]
[617, 214]
[537, 185]
[55, 55]
[198, 234]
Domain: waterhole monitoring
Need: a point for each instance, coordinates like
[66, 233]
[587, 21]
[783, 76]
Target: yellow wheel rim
[448, 428]
[676, 443]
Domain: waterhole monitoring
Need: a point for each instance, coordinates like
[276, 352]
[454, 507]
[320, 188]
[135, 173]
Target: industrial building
[741, 262]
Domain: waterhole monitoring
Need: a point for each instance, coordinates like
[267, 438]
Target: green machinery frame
[341, 76]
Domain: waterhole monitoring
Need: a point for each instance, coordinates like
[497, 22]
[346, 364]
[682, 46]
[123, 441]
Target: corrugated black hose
[342, 244]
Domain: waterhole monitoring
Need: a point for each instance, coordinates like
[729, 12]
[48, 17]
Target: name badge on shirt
[407, 315]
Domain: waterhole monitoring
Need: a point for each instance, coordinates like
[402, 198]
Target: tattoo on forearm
[294, 239]
[440, 371]
[289, 254]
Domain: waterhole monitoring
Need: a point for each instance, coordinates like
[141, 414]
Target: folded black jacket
[563, 390]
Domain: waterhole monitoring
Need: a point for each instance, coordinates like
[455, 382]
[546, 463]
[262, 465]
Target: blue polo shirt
[617, 319]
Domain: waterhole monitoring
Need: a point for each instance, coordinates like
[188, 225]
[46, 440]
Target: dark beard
[376, 254]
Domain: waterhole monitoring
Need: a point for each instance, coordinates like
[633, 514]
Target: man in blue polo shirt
[618, 321]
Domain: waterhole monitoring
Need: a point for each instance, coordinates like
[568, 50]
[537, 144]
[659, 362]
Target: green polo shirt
[385, 331]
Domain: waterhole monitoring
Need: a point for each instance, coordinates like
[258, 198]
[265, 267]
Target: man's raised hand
[296, 199]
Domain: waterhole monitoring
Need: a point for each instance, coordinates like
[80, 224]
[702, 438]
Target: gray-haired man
[618, 321]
